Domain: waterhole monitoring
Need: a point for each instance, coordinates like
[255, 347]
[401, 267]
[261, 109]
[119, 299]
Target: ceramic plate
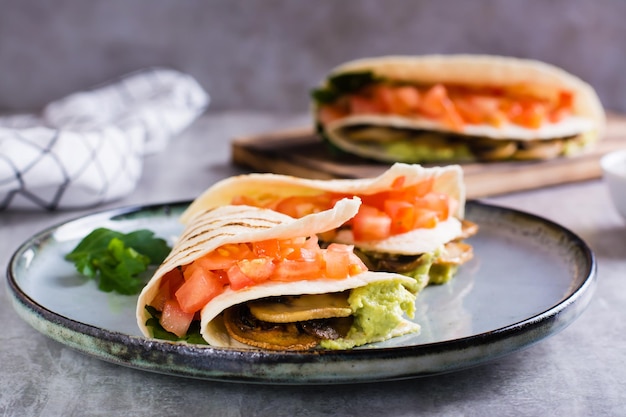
[529, 279]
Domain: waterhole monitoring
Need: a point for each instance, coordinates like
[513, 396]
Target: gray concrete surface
[266, 55]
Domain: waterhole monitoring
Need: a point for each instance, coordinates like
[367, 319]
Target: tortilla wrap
[447, 180]
[370, 135]
[222, 225]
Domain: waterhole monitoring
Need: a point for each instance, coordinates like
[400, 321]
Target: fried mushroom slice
[246, 329]
[534, 150]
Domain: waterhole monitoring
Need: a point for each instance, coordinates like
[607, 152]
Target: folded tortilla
[402, 248]
[219, 226]
[415, 137]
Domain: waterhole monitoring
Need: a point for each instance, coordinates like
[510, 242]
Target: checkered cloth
[87, 148]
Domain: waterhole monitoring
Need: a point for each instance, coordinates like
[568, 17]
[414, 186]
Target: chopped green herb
[117, 260]
[342, 84]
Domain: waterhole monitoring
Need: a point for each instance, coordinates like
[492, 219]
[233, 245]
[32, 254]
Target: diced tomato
[563, 107]
[300, 206]
[454, 105]
[200, 288]
[411, 192]
[269, 248]
[376, 200]
[337, 264]
[224, 257]
[398, 183]
[436, 202]
[174, 319]
[383, 97]
[371, 224]
[431, 104]
[340, 260]
[402, 214]
[365, 105]
[296, 270]
[238, 279]
[244, 200]
[258, 270]
[329, 113]
[437, 104]
[529, 114]
[468, 111]
[425, 218]
[407, 99]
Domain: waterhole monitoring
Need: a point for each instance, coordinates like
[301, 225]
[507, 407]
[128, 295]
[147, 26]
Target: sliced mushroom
[492, 150]
[242, 327]
[330, 329]
[301, 308]
[468, 229]
[455, 253]
[539, 149]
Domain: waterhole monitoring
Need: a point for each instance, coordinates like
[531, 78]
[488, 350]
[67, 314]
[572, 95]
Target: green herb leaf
[341, 84]
[117, 260]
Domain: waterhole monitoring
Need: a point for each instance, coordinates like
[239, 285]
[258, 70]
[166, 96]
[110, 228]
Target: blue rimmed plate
[529, 279]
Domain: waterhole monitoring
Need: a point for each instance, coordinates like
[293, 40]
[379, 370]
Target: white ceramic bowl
[614, 173]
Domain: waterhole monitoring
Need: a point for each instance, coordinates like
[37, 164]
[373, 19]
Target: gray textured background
[266, 55]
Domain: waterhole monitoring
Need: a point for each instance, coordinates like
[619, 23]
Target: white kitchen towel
[87, 148]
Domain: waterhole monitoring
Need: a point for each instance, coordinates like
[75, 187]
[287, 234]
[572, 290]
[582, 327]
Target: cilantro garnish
[117, 260]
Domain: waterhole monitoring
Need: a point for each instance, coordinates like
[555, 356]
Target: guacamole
[377, 310]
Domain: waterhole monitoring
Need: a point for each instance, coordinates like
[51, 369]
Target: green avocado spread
[378, 311]
[420, 267]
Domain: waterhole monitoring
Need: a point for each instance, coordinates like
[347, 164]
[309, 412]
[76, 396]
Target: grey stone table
[581, 371]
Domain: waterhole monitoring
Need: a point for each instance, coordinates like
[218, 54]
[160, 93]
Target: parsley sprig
[117, 260]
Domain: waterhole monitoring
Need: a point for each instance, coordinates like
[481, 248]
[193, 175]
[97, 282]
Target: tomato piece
[305, 249]
[407, 99]
[329, 113]
[402, 214]
[376, 200]
[296, 270]
[436, 202]
[243, 200]
[269, 248]
[398, 183]
[383, 96]
[200, 288]
[371, 224]
[563, 107]
[174, 319]
[258, 270]
[360, 104]
[224, 257]
[437, 104]
[529, 114]
[414, 191]
[468, 111]
[300, 206]
[425, 218]
[238, 279]
[431, 104]
[337, 263]
[341, 262]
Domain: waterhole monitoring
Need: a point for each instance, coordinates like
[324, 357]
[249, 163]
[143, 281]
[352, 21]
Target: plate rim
[211, 363]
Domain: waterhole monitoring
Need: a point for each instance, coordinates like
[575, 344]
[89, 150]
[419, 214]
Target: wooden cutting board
[301, 153]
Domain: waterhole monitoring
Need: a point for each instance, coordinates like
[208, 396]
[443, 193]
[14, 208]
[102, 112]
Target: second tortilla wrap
[356, 116]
